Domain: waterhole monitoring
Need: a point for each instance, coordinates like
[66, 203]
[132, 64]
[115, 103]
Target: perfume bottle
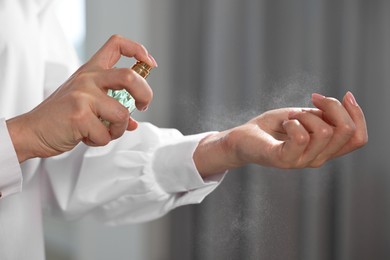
[123, 96]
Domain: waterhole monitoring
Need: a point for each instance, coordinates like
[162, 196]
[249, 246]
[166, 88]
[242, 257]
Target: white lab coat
[139, 177]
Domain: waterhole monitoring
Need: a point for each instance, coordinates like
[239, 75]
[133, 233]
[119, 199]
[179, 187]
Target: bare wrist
[215, 154]
[17, 128]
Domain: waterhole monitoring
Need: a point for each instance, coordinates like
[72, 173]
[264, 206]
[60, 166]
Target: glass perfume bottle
[122, 95]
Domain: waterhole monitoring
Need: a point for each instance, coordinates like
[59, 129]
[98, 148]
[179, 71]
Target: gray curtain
[235, 59]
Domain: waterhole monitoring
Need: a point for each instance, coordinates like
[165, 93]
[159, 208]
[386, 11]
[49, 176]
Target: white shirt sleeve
[139, 177]
[10, 172]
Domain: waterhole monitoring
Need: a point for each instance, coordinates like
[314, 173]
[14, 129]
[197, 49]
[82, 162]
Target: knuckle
[80, 108]
[348, 129]
[127, 76]
[79, 95]
[82, 80]
[73, 97]
[122, 114]
[302, 138]
[116, 38]
[361, 140]
[79, 117]
[325, 132]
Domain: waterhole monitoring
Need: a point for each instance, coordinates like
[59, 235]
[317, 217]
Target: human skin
[282, 138]
[287, 137]
[74, 112]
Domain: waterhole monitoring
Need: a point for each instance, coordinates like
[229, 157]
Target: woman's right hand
[74, 112]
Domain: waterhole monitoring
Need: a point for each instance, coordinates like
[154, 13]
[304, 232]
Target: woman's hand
[287, 137]
[74, 112]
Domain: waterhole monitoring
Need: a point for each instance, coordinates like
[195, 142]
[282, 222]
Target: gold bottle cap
[142, 68]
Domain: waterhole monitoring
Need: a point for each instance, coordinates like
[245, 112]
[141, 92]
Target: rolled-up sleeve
[140, 177]
[10, 171]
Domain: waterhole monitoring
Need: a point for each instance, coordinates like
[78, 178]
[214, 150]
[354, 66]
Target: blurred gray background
[222, 62]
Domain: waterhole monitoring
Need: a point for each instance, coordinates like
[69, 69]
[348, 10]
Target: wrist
[18, 131]
[216, 153]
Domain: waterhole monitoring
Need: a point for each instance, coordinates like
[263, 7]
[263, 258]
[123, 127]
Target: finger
[320, 133]
[125, 78]
[297, 142]
[132, 125]
[333, 111]
[336, 115]
[313, 111]
[109, 54]
[109, 109]
[360, 136]
[95, 133]
[272, 121]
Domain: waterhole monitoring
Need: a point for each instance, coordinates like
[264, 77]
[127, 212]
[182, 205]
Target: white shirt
[139, 177]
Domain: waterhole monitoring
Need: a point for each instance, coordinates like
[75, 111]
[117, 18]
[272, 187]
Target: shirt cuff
[10, 172]
[175, 170]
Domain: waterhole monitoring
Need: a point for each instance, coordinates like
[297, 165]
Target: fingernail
[317, 97]
[351, 99]
[144, 108]
[153, 60]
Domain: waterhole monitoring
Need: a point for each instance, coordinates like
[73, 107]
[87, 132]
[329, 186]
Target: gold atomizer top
[142, 68]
